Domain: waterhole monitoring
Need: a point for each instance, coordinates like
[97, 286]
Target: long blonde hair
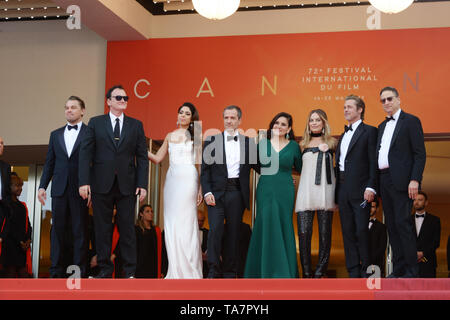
[326, 137]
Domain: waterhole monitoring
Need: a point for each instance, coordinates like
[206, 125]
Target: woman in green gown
[272, 252]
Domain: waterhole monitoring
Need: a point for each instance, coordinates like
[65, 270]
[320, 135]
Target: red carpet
[221, 289]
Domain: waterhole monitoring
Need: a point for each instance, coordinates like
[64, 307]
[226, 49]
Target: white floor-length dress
[180, 214]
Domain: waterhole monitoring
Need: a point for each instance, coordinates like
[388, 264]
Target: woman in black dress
[16, 255]
[151, 251]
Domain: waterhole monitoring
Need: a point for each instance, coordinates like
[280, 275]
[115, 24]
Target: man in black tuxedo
[226, 163]
[377, 239]
[61, 166]
[401, 160]
[356, 176]
[114, 167]
[428, 231]
[5, 192]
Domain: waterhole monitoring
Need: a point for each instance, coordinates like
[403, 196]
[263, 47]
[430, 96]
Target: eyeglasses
[389, 99]
[119, 98]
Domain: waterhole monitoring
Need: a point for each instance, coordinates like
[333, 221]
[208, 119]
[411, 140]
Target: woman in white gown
[182, 195]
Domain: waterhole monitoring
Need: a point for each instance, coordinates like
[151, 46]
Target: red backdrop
[293, 73]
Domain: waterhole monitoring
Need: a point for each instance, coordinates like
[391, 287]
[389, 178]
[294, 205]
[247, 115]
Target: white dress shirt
[383, 160]
[345, 143]
[232, 154]
[70, 136]
[419, 222]
[113, 121]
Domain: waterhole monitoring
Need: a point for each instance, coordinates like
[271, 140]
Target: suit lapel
[397, 127]
[355, 137]
[109, 128]
[242, 153]
[422, 228]
[224, 154]
[79, 137]
[125, 129]
[61, 139]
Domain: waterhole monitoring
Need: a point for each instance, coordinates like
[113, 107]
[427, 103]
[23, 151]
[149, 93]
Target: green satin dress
[272, 252]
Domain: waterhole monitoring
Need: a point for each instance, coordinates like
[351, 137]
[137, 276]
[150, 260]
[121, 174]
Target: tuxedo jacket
[429, 237]
[377, 243]
[360, 162]
[5, 171]
[59, 166]
[214, 173]
[407, 153]
[101, 160]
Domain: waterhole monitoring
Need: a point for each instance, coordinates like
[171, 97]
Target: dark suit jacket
[407, 153]
[58, 165]
[377, 244]
[5, 170]
[101, 159]
[214, 173]
[360, 162]
[429, 237]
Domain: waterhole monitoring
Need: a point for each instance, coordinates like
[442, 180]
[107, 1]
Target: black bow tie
[229, 138]
[420, 215]
[389, 119]
[346, 128]
[72, 127]
[372, 220]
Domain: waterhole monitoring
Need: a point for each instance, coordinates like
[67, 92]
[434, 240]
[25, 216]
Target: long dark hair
[272, 123]
[139, 222]
[194, 117]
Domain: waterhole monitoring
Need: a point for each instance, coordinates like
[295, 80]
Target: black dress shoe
[103, 275]
[409, 275]
[393, 276]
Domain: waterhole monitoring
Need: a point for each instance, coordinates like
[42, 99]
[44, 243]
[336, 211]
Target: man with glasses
[113, 170]
[401, 161]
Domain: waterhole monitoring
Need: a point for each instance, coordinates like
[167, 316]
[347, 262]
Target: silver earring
[287, 136]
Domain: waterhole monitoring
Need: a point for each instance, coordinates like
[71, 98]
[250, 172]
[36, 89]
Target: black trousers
[71, 209]
[229, 208]
[397, 211]
[355, 233]
[103, 205]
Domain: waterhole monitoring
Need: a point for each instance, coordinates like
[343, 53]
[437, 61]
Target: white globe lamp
[216, 9]
[391, 6]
